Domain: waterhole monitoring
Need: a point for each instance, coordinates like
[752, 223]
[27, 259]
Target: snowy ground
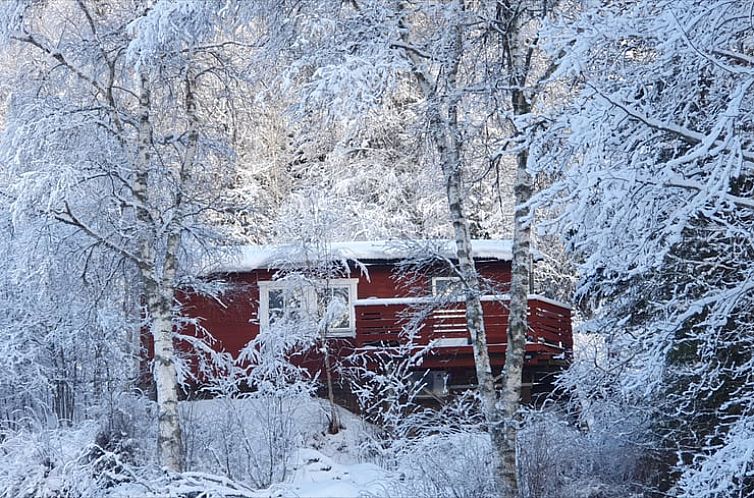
[320, 464]
[325, 465]
[278, 447]
[317, 475]
[244, 448]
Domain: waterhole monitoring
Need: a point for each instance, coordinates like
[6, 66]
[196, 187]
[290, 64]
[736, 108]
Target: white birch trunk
[448, 140]
[518, 325]
[450, 157]
[519, 52]
[158, 294]
[160, 307]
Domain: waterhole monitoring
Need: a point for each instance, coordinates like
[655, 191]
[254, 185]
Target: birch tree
[113, 133]
[310, 227]
[475, 70]
[524, 82]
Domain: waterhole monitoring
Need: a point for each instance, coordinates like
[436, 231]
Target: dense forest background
[612, 136]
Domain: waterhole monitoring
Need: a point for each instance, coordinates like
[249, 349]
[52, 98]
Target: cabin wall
[233, 320]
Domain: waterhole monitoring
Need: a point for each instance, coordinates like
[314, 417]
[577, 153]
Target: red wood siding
[233, 319]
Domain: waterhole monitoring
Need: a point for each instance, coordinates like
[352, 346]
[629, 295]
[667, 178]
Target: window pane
[275, 299]
[285, 304]
[447, 286]
[335, 304]
[340, 293]
[275, 315]
[294, 304]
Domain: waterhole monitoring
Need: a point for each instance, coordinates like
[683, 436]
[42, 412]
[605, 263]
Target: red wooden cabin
[379, 302]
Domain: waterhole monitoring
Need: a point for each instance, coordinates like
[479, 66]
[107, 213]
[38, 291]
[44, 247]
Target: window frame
[445, 279]
[310, 301]
[278, 286]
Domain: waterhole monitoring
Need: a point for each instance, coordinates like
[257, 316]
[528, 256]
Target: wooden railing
[550, 323]
[381, 321]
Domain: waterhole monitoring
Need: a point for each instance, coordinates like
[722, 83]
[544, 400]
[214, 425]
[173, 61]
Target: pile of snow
[247, 258]
[317, 475]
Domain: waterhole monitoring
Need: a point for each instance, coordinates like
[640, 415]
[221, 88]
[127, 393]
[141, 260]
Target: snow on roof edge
[239, 259]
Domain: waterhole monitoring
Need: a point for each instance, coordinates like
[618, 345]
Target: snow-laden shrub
[249, 439]
[63, 462]
[452, 465]
[448, 451]
[437, 452]
[87, 459]
[558, 460]
[539, 461]
[249, 431]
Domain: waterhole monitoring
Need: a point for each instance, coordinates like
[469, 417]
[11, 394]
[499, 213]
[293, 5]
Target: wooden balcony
[442, 329]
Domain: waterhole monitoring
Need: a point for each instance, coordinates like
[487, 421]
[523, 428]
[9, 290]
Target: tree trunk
[467, 268]
[160, 307]
[518, 44]
[159, 295]
[334, 425]
[448, 140]
[518, 323]
[517, 51]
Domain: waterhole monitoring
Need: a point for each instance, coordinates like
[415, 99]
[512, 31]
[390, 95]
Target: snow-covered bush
[443, 451]
[85, 459]
[453, 465]
[46, 462]
[438, 452]
[559, 460]
[247, 439]
[265, 363]
[249, 431]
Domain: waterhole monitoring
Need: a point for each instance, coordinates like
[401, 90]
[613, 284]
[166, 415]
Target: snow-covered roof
[246, 258]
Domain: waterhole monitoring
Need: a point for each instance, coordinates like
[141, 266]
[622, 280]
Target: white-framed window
[284, 300]
[446, 286]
